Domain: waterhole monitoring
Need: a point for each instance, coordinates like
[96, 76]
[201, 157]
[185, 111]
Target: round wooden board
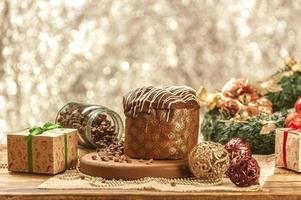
[135, 170]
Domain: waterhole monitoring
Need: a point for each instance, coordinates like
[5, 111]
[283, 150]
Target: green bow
[36, 130]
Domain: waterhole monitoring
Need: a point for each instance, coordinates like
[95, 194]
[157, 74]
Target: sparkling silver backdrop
[53, 52]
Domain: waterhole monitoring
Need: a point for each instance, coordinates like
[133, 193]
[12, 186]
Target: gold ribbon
[209, 99]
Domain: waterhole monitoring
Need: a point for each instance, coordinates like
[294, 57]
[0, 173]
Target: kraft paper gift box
[288, 149]
[52, 152]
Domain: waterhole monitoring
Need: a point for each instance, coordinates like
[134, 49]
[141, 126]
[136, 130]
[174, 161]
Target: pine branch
[291, 90]
[214, 128]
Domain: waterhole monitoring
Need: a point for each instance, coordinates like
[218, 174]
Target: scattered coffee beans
[113, 152]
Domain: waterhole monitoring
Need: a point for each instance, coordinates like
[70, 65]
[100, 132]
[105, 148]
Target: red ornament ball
[298, 106]
[292, 117]
[238, 147]
[244, 171]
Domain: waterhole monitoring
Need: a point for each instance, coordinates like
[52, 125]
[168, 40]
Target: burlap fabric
[73, 179]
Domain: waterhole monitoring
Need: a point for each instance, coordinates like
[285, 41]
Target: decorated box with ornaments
[251, 111]
[288, 149]
[45, 151]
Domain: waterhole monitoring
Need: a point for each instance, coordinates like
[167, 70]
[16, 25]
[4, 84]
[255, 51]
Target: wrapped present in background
[42, 150]
[288, 141]
[288, 149]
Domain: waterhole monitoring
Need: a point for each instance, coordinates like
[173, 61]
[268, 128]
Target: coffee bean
[104, 158]
[81, 129]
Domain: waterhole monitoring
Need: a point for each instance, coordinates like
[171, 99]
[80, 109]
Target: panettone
[161, 123]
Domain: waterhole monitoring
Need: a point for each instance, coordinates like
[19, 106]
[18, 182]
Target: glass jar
[97, 125]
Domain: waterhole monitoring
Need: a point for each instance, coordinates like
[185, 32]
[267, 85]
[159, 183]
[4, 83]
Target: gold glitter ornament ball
[209, 161]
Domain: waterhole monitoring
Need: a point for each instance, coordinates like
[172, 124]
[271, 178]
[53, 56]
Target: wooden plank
[153, 195]
[23, 186]
[284, 178]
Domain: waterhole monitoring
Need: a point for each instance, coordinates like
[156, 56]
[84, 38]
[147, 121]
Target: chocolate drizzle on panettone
[143, 100]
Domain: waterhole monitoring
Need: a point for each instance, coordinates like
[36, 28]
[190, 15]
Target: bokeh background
[94, 51]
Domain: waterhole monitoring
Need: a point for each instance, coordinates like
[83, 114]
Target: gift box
[288, 149]
[48, 152]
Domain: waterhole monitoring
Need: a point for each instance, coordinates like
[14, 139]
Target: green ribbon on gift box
[36, 130]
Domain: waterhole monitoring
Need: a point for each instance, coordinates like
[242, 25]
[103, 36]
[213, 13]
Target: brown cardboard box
[48, 151]
[288, 148]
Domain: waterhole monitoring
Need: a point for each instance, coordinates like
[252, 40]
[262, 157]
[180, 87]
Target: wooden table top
[23, 186]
